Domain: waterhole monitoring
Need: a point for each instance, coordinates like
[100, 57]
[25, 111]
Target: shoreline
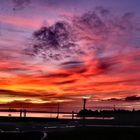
[81, 121]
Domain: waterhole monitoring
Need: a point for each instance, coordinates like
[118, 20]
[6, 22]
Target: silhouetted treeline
[117, 114]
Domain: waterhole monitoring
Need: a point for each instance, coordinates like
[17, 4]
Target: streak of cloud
[20, 4]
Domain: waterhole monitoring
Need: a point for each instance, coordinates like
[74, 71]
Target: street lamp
[84, 103]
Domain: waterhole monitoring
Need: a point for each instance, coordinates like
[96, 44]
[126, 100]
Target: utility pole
[72, 115]
[58, 107]
[25, 113]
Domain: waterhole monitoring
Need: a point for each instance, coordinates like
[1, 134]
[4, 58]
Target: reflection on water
[37, 115]
[51, 115]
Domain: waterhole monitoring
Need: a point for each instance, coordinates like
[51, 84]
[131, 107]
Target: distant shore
[81, 121]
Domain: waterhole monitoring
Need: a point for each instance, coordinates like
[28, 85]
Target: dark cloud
[132, 98]
[57, 75]
[116, 82]
[102, 25]
[72, 64]
[102, 11]
[17, 104]
[34, 107]
[55, 42]
[91, 21]
[114, 100]
[94, 28]
[105, 64]
[15, 93]
[29, 105]
[33, 93]
[20, 4]
[81, 70]
[65, 82]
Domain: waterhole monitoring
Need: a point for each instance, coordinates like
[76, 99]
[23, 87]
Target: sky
[61, 51]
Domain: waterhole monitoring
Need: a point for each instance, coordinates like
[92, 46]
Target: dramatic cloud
[54, 42]
[90, 53]
[96, 34]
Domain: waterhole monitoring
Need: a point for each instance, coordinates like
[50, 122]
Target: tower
[84, 105]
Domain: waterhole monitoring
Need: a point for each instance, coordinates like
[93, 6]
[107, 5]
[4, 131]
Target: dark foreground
[38, 129]
[97, 133]
[82, 133]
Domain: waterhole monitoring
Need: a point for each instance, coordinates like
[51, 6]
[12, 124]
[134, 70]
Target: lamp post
[84, 103]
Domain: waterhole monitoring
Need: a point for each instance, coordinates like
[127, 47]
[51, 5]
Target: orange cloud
[100, 67]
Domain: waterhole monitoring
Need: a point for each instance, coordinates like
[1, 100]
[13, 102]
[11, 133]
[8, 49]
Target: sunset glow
[62, 51]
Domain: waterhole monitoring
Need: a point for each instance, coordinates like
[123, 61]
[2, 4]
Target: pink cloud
[21, 22]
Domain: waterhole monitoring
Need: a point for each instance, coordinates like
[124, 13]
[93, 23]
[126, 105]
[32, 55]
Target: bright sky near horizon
[65, 50]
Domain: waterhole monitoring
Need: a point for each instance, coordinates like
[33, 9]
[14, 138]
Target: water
[50, 115]
[37, 115]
